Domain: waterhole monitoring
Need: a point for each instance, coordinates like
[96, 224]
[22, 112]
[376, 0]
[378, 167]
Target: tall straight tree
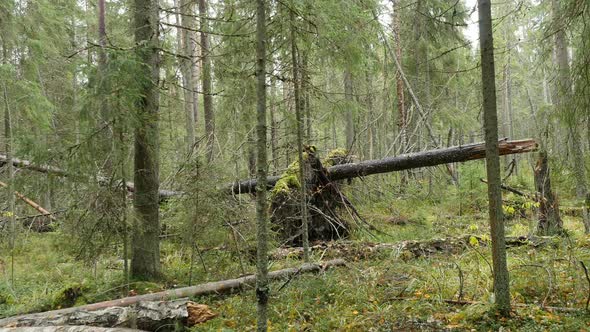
[145, 246]
[349, 113]
[563, 94]
[297, 83]
[102, 68]
[501, 280]
[261, 172]
[186, 45]
[10, 168]
[206, 79]
[402, 121]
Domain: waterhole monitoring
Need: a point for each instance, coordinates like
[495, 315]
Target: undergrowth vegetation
[385, 291]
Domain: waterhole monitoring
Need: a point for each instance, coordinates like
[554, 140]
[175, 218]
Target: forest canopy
[425, 160]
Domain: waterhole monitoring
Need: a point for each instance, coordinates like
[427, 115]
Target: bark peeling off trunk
[145, 315]
[78, 328]
[211, 288]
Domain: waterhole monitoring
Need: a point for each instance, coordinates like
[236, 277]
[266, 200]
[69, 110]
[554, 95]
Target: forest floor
[384, 291]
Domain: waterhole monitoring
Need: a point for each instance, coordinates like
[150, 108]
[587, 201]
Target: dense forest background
[125, 122]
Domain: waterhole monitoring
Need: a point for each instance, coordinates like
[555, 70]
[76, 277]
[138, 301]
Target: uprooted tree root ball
[327, 206]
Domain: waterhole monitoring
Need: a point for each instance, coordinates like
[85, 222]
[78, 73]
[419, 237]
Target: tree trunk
[402, 121]
[305, 81]
[69, 328]
[145, 246]
[102, 68]
[349, 109]
[144, 315]
[262, 287]
[186, 47]
[300, 124]
[509, 109]
[402, 162]
[207, 79]
[549, 220]
[371, 125]
[11, 198]
[210, 288]
[501, 279]
[401, 103]
[563, 96]
[274, 124]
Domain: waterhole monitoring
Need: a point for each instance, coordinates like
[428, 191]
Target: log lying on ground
[218, 287]
[70, 328]
[144, 315]
[407, 161]
[409, 249]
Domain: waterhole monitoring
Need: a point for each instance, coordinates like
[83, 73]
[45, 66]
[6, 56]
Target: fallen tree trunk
[346, 171]
[144, 315]
[217, 287]
[406, 161]
[25, 164]
[69, 328]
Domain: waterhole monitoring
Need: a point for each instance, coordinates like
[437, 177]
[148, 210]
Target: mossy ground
[360, 297]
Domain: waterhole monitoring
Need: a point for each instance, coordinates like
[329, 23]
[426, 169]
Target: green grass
[364, 296]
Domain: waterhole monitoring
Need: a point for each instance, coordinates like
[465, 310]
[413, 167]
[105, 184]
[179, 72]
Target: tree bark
[298, 115]
[145, 246]
[145, 315]
[349, 109]
[549, 220]
[211, 288]
[563, 96]
[207, 80]
[103, 89]
[262, 275]
[186, 46]
[274, 128]
[8, 147]
[69, 328]
[403, 162]
[492, 153]
[402, 121]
